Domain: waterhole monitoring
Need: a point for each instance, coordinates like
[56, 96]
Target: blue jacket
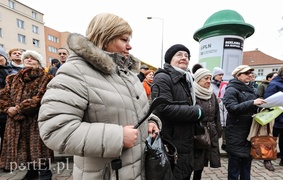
[275, 86]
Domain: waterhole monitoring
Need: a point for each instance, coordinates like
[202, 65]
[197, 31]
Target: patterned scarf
[189, 80]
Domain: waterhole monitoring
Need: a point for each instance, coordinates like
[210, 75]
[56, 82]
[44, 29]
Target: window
[21, 38]
[274, 69]
[34, 15]
[260, 72]
[1, 32]
[35, 42]
[20, 23]
[52, 49]
[52, 38]
[34, 29]
[12, 4]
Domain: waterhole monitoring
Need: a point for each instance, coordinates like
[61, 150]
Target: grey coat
[86, 106]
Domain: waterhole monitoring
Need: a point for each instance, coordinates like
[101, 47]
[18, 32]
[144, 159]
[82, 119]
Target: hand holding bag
[264, 147]
[202, 141]
[160, 156]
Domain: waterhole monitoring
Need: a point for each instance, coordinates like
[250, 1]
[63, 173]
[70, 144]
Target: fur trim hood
[99, 59]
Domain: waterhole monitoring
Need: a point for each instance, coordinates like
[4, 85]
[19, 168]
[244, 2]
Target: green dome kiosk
[221, 41]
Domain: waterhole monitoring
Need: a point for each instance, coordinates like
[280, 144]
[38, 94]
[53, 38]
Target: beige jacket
[85, 108]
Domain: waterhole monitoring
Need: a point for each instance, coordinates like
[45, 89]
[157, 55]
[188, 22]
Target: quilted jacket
[92, 97]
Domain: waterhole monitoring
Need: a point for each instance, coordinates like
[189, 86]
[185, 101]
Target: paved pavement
[62, 170]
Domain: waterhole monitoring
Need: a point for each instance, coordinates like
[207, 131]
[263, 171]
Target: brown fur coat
[22, 143]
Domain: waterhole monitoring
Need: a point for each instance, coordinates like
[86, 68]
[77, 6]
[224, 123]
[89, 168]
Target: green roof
[224, 22]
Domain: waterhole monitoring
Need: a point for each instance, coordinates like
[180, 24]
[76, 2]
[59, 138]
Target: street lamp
[162, 20]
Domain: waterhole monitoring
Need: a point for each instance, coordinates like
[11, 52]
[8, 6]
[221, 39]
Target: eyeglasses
[247, 73]
[63, 54]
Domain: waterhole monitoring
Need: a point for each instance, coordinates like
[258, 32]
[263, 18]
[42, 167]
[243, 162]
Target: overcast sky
[182, 18]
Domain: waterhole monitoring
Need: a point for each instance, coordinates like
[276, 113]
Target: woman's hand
[259, 101]
[152, 129]
[12, 111]
[130, 136]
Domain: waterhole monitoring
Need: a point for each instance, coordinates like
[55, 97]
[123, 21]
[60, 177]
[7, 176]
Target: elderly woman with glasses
[241, 103]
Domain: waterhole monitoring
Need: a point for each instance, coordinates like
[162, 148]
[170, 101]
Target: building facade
[23, 27]
[262, 63]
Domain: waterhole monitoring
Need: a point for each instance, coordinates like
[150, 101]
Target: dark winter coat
[212, 121]
[141, 76]
[15, 68]
[275, 86]
[22, 142]
[238, 100]
[4, 72]
[178, 121]
[262, 88]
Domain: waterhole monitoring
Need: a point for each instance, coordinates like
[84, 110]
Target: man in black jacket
[141, 75]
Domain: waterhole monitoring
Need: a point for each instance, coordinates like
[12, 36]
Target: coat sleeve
[271, 89]
[61, 114]
[31, 105]
[233, 104]
[217, 117]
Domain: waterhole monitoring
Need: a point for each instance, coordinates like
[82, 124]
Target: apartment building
[53, 41]
[23, 27]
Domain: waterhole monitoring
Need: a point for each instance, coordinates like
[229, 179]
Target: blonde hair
[104, 27]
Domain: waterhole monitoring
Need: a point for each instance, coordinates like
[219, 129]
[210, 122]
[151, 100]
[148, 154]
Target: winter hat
[35, 55]
[172, 51]
[3, 53]
[217, 71]
[144, 67]
[241, 69]
[200, 73]
[196, 67]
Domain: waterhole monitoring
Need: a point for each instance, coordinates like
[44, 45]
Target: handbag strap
[268, 129]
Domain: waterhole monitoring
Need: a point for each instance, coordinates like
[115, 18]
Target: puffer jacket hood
[99, 59]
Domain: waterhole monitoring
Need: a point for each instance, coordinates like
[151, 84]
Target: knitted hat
[241, 69]
[200, 73]
[3, 53]
[217, 71]
[35, 55]
[172, 51]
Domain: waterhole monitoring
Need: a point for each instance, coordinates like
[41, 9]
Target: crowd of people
[87, 103]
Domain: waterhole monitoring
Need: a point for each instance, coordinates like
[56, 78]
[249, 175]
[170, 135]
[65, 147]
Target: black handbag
[161, 157]
[202, 141]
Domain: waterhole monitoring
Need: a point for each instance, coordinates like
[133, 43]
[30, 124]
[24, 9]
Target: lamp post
[162, 21]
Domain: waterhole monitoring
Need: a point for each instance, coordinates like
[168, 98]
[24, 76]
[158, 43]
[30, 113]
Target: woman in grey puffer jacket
[93, 103]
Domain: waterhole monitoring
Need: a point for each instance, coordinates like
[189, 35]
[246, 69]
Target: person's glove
[200, 114]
